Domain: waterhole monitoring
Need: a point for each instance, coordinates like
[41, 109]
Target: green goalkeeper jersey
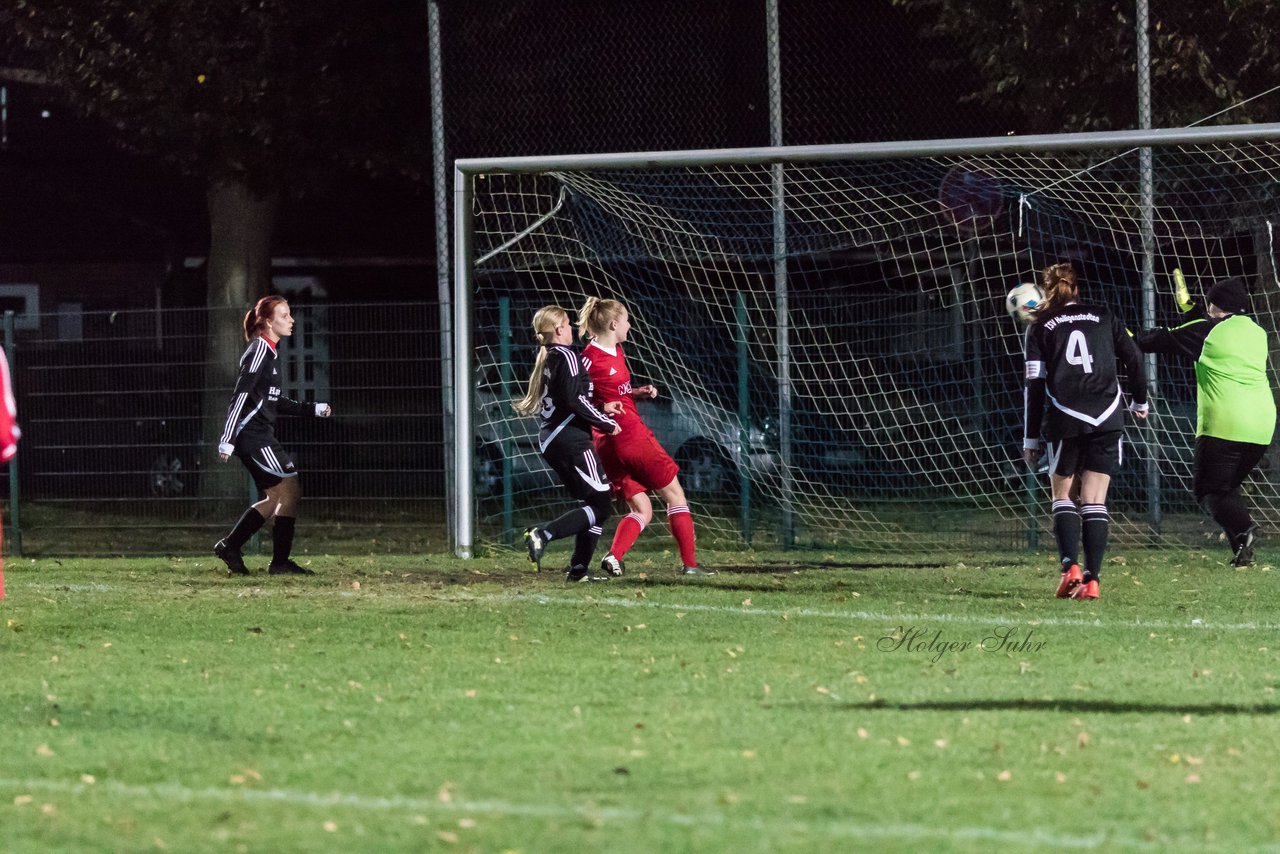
[1233, 394]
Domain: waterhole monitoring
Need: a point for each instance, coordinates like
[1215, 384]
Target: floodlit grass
[803, 702]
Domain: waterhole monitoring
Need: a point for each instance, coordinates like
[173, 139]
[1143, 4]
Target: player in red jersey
[634, 459]
[9, 432]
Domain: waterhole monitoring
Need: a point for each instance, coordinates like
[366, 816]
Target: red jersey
[9, 432]
[608, 370]
[634, 459]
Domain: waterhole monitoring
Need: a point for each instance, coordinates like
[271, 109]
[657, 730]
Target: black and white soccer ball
[1023, 302]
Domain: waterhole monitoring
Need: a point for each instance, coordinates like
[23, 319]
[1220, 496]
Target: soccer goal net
[827, 325]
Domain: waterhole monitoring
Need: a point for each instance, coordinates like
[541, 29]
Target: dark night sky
[624, 77]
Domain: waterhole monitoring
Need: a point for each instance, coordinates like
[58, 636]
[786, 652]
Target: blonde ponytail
[545, 321]
[596, 314]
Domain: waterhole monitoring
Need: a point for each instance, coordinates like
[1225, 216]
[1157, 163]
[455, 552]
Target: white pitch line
[839, 829]
[752, 611]
[866, 616]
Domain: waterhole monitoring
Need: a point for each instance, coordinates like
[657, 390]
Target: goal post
[889, 363]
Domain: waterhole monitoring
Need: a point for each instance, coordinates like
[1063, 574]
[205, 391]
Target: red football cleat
[1071, 579]
[1088, 590]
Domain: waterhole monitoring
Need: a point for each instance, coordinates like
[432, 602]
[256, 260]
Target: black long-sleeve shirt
[258, 398]
[566, 398]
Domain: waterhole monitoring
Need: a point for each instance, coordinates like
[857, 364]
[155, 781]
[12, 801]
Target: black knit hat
[1230, 295]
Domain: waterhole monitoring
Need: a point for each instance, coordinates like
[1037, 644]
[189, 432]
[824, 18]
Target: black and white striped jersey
[258, 398]
[1072, 354]
[566, 398]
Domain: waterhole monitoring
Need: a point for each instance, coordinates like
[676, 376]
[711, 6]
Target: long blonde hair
[596, 314]
[545, 321]
[1061, 285]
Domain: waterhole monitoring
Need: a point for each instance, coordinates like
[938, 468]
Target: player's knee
[601, 506]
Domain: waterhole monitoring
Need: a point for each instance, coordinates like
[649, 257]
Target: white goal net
[841, 369]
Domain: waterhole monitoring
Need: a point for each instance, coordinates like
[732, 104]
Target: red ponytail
[259, 317]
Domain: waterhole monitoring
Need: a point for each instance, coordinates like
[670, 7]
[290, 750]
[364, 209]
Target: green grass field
[798, 701]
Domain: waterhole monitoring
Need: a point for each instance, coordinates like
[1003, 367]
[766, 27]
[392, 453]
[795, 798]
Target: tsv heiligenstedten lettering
[934, 645]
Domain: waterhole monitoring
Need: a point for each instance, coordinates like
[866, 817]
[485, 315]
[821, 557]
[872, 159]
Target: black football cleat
[578, 574]
[231, 557]
[1243, 547]
[536, 546]
[288, 567]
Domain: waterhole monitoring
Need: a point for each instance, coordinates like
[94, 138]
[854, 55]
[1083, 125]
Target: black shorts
[1221, 465]
[1098, 452]
[266, 461]
[574, 459]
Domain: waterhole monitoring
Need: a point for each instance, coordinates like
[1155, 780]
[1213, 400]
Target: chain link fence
[117, 458]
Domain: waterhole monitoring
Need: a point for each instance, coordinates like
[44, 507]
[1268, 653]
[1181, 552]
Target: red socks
[625, 537]
[681, 522]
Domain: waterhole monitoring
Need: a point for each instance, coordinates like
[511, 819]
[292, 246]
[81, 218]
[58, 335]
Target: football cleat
[578, 574]
[231, 557]
[696, 570]
[612, 566]
[1086, 590]
[288, 567]
[1071, 579]
[536, 546]
[1244, 544]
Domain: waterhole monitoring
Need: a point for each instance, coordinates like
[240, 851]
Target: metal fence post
[744, 416]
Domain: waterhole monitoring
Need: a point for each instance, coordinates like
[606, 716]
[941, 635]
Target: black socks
[282, 539]
[248, 525]
[1096, 524]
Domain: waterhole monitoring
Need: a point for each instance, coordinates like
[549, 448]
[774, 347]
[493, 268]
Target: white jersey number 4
[1078, 352]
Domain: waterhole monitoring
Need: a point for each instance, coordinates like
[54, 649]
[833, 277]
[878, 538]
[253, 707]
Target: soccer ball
[1022, 302]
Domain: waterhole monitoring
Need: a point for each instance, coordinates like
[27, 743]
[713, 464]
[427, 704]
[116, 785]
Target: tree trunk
[239, 273]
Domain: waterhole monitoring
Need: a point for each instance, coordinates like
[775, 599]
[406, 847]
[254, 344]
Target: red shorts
[637, 464]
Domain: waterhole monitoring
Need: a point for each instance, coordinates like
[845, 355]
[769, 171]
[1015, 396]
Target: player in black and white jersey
[559, 393]
[249, 434]
[1072, 352]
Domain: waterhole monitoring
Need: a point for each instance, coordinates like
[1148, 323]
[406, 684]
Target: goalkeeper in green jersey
[1235, 409]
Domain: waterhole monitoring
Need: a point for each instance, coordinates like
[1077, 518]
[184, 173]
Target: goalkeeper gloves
[1181, 295]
